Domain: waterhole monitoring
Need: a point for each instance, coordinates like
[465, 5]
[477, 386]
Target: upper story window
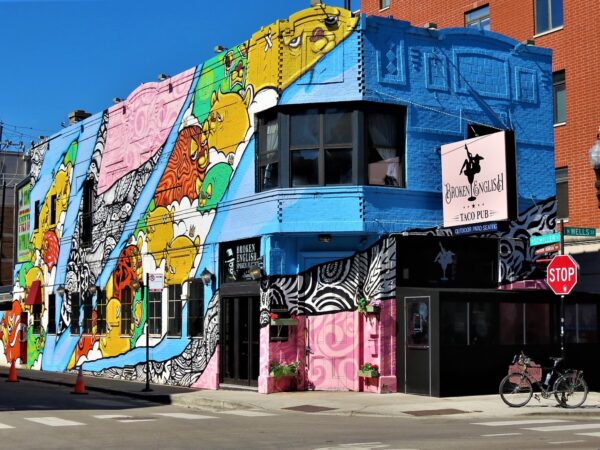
[562, 192]
[548, 15]
[478, 18]
[331, 146]
[384, 4]
[559, 90]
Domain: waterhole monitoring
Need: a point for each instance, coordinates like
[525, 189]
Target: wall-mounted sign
[237, 257]
[544, 239]
[23, 246]
[478, 180]
[156, 282]
[476, 229]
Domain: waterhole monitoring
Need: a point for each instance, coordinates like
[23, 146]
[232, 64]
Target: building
[241, 215]
[564, 28]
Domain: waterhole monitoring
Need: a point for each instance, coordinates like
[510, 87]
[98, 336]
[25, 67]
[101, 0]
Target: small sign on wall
[478, 180]
[237, 257]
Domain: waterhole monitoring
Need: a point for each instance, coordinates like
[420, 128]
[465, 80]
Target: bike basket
[533, 370]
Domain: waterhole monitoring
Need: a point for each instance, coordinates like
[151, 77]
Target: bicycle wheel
[570, 393]
[516, 390]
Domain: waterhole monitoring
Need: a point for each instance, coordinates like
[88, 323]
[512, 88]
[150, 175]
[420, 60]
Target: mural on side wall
[135, 191]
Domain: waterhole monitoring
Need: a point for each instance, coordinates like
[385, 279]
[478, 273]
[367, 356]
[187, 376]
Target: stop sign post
[561, 276]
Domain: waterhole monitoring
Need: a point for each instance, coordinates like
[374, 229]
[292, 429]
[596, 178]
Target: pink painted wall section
[140, 125]
[378, 347]
[210, 377]
[334, 343]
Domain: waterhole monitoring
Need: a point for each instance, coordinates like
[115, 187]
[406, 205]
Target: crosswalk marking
[3, 426]
[111, 416]
[581, 426]
[597, 434]
[185, 416]
[565, 442]
[54, 421]
[518, 422]
[500, 434]
[136, 420]
[247, 413]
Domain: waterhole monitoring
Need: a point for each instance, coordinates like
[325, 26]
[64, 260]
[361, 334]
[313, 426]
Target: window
[101, 312]
[126, 310]
[88, 313]
[36, 214]
[354, 144]
[511, 319]
[581, 323]
[75, 313]
[385, 149]
[483, 323]
[268, 153]
[196, 309]
[51, 328]
[537, 321]
[37, 318]
[174, 311]
[155, 312]
[560, 97]
[383, 4]
[548, 15]
[53, 209]
[86, 213]
[478, 18]
[453, 323]
[562, 192]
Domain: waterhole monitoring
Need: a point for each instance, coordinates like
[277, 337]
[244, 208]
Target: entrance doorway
[240, 330]
[417, 341]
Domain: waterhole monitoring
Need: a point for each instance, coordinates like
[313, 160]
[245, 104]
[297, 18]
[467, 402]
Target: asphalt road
[41, 416]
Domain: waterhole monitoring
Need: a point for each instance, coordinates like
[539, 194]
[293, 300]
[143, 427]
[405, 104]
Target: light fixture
[529, 42]
[92, 289]
[219, 49]
[255, 272]
[206, 277]
[325, 238]
[116, 100]
[595, 161]
[60, 290]
[430, 26]
[163, 76]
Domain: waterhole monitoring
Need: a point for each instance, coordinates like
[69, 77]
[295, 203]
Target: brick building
[565, 28]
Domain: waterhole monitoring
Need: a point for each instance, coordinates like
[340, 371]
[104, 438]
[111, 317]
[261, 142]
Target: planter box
[371, 309]
[290, 322]
[368, 373]
[281, 384]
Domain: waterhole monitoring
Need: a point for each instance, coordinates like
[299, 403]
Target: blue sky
[58, 56]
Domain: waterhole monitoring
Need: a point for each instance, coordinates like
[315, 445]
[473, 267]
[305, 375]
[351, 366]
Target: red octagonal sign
[561, 274]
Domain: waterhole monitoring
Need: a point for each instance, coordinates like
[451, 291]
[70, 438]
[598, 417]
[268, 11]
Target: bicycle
[516, 389]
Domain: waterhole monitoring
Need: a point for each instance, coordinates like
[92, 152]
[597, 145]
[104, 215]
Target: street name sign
[576, 231]
[547, 249]
[544, 239]
[561, 274]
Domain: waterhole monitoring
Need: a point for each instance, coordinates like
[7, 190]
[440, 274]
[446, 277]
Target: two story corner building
[300, 201]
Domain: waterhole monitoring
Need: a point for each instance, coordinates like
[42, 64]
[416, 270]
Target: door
[332, 352]
[240, 329]
[417, 341]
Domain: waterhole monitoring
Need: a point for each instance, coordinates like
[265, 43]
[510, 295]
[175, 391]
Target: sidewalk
[338, 403]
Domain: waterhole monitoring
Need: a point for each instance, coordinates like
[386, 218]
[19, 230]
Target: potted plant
[366, 306]
[283, 375]
[276, 320]
[368, 370]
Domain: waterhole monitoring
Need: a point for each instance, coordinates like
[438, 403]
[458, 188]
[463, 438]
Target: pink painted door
[332, 352]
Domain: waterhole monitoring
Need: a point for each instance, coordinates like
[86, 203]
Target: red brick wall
[576, 49]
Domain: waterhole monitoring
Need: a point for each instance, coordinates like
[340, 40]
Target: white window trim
[550, 31]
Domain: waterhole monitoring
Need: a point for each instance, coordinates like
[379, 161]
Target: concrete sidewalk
[337, 403]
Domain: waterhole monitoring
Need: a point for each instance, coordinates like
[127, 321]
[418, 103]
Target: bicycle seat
[556, 358]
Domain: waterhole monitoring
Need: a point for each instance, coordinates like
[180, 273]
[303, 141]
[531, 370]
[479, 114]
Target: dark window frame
[475, 18]
[545, 24]
[195, 308]
[75, 313]
[53, 203]
[384, 4]
[36, 310]
[101, 312]
[562, 192]
[87, 209]
[127, 298]
[174, 319]
[155, 313]
[559, 85]
[51, 325]
[88, 312]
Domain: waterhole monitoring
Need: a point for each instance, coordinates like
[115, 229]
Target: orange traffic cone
[79, 386]
[12, 373]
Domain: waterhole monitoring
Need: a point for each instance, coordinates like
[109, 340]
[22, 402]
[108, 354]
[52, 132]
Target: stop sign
[561, 274]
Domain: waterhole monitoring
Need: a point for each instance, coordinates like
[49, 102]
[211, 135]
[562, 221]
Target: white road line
[136, 420]
[247, 413]
[582, 426]
[3, 426]
[501, 434]
[54, 421]
[185, 416]
[588, 434]
[565, 442]
[112, 416]
[519, 422]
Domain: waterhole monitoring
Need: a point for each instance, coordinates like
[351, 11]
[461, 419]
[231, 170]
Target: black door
[240, 329]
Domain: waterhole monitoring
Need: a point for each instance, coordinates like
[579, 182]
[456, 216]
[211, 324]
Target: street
[38, 415]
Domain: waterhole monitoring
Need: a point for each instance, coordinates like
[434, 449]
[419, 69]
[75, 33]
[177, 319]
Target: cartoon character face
[234, 63]
[112, 344]
[180, 258]
[10, 327]
[128, 269]
[228, 120]
[159, 224]
[283, 51]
